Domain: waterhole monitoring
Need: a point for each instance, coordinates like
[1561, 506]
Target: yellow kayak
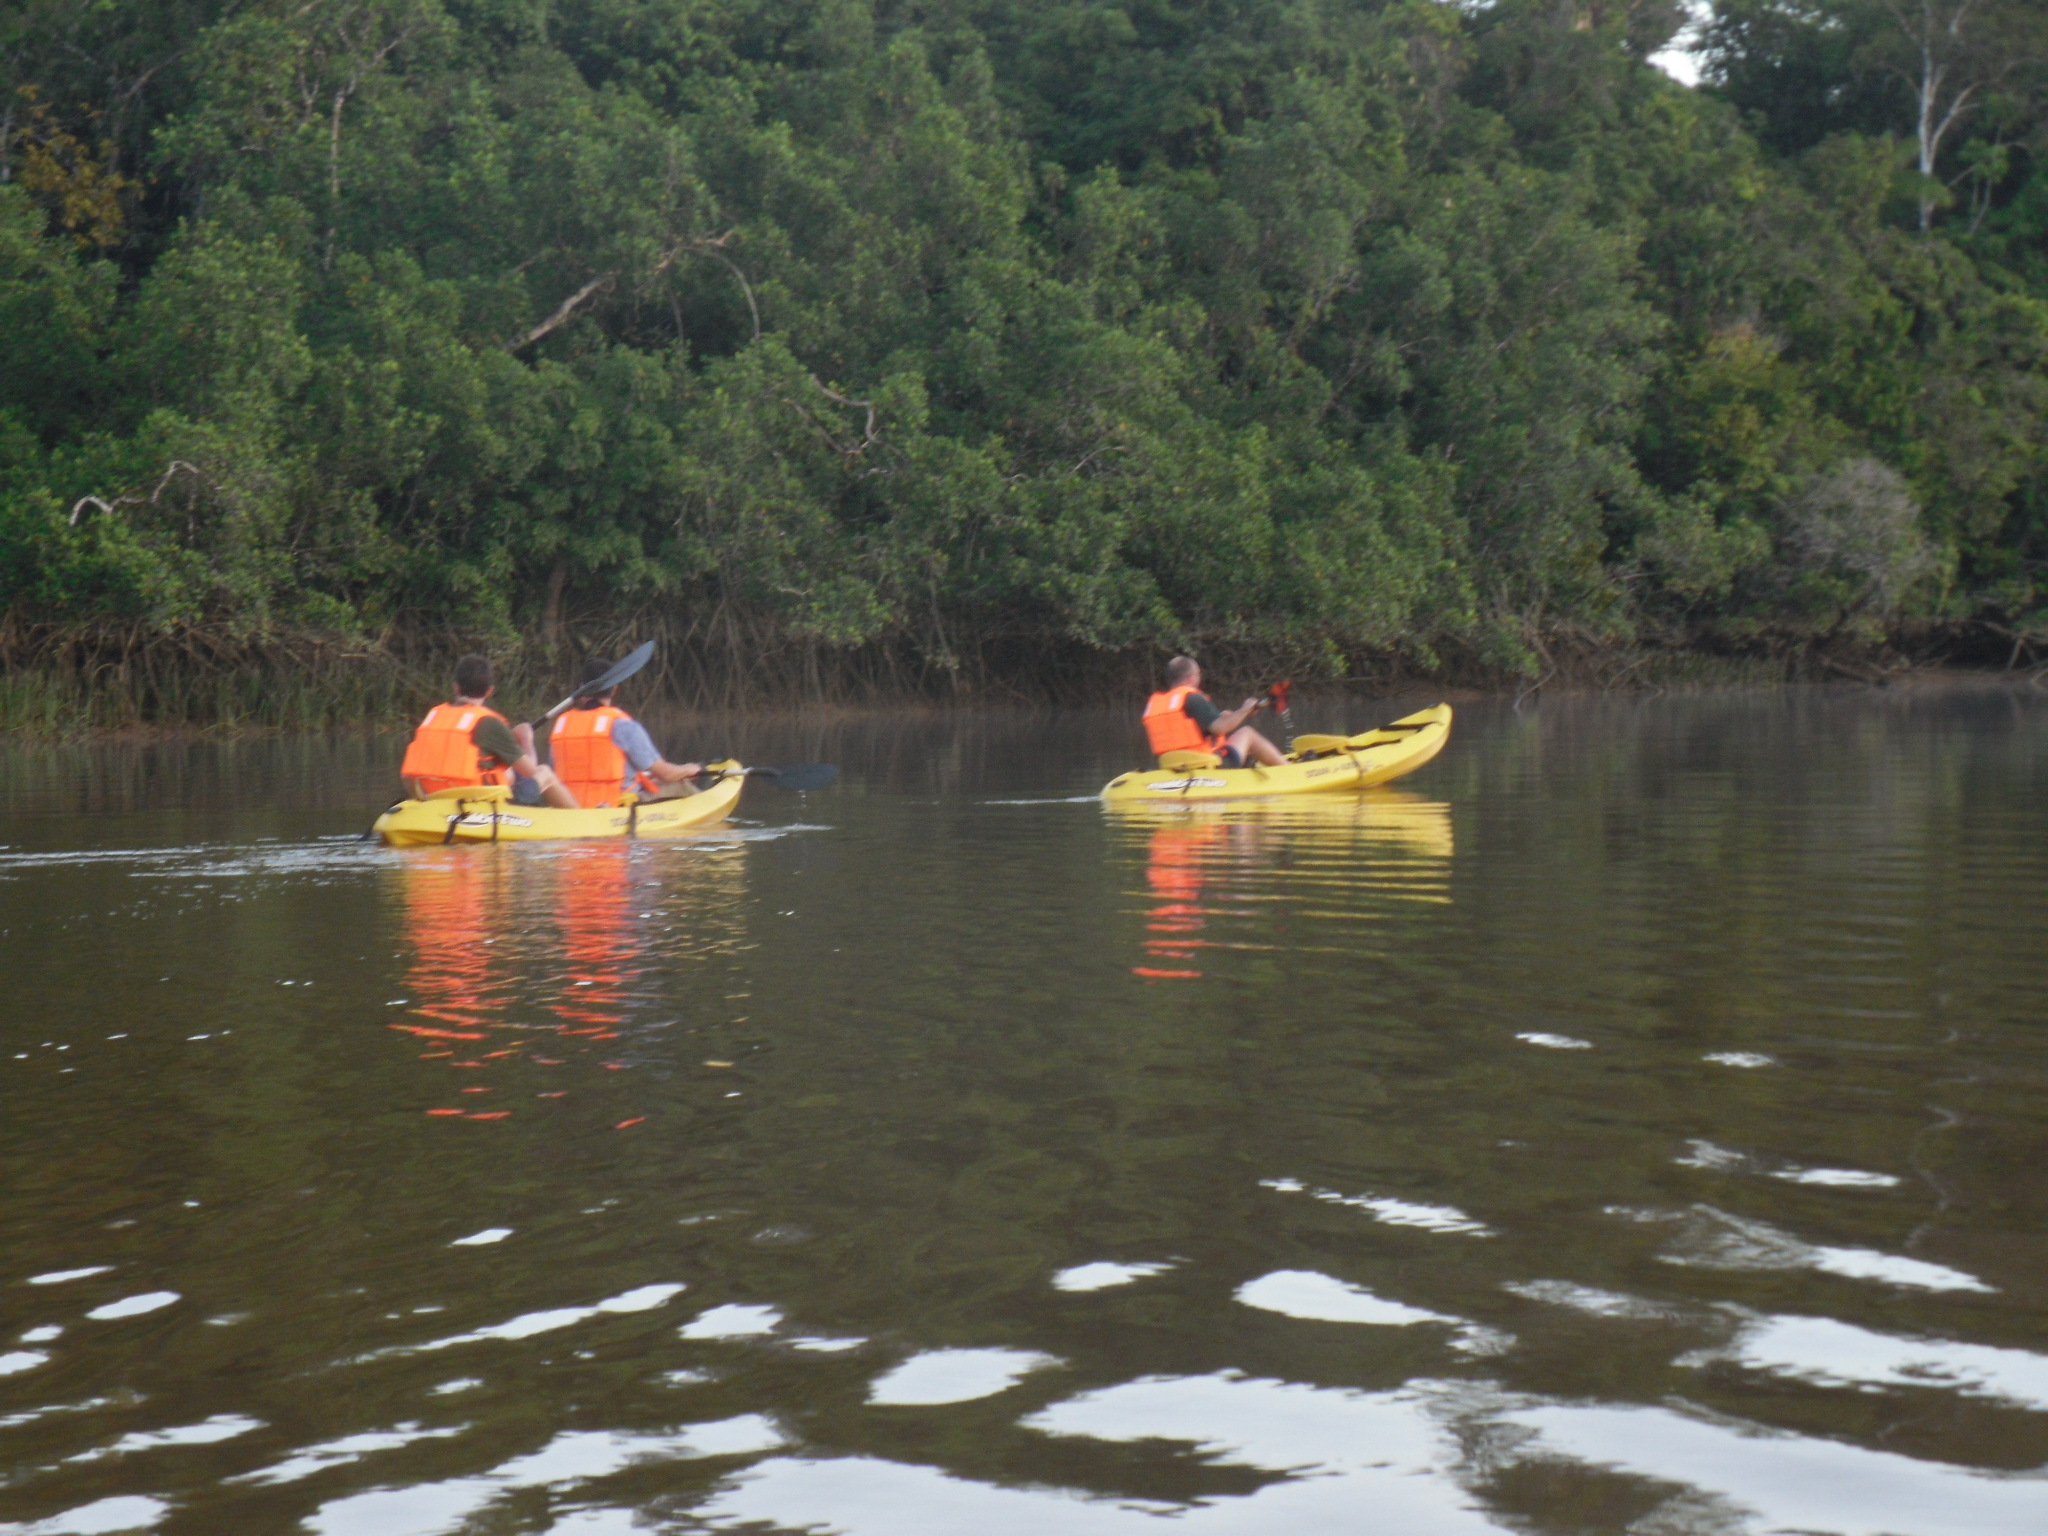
[484, 813]
[1316, 765]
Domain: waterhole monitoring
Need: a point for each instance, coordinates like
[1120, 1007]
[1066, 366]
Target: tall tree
[1927, 70]
[1951, 56]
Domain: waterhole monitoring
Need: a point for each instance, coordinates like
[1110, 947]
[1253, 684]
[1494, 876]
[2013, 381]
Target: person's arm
[1215, 721]
[498, 741]
[1224, 724]
[631, 738]
[494, 739]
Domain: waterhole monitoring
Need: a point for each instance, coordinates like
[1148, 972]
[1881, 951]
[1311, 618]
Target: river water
[1633, 1122]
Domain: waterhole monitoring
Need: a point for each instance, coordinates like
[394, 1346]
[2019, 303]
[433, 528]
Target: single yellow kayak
[484, 813]
[1317, 765]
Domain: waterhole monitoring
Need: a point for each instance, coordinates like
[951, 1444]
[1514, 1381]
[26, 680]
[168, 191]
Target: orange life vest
[1170, 726]
[441, 755]
[584, 756]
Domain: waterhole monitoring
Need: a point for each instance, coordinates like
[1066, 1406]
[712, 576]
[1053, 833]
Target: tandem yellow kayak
[484, 813]
[1316, 765]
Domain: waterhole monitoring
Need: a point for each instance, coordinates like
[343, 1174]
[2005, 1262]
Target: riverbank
[124, 683]
[309, 689]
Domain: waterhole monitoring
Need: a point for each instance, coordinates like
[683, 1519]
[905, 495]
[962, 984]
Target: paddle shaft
[1280, 696]
[798, 776]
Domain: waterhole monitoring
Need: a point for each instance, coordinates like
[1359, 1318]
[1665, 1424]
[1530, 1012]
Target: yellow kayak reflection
[1261, 875]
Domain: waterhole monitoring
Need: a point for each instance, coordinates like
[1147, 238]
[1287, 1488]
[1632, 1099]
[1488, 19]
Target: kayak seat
[1182, 762]
[1315, 746]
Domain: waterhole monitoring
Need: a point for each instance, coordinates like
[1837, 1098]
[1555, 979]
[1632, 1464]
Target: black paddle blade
[797, 775]
[625, 669]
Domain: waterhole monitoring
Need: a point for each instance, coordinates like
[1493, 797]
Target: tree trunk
[551, 615]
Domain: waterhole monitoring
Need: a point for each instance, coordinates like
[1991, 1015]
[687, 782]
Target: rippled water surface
[1633, 1122]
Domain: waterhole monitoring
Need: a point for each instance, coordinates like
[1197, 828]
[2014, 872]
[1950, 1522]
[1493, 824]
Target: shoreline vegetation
[384, 697]
[969, 351]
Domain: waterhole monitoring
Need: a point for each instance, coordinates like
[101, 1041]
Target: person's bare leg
[1254, 748]
[554, 791]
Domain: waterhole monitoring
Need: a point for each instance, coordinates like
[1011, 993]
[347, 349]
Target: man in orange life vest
[600, 751]
[467, 742]
[1181, 718]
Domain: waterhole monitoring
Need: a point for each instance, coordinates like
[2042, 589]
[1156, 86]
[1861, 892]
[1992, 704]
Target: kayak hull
[421, 823]
[1369, 758]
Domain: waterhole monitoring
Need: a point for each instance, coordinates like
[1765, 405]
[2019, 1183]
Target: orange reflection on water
[527, 959]
[454, 908]
[1175, 858]
[454, 975]
[594, 899]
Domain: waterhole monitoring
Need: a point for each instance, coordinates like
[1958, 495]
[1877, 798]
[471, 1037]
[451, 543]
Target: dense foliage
[973, 329]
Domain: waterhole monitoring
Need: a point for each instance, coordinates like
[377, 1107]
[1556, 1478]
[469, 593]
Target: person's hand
[1251, 703]
[693, 770]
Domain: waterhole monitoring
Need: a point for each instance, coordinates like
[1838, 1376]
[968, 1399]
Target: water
[1633, 1122]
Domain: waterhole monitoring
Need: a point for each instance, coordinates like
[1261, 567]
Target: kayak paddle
[1277, 696]
[797, 776]
[370, 832]
[610, 680]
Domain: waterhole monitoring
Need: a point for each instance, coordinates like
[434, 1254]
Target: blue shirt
[631, 738]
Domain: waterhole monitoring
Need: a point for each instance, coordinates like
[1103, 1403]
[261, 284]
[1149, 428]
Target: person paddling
[598, 751]
[467, 742]
[1181, 718]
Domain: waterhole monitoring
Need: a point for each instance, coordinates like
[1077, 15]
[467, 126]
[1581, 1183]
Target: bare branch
[341, 99]
[819, 427]
[868, 437]
[171, 469]
[709, 248]
[1956, 109]
[561, 315]
[714, 247]
[163, 482]
[668, 259]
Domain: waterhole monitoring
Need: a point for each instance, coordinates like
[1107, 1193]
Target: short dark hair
[593, 671]
[473, 676]
[1179, 670]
